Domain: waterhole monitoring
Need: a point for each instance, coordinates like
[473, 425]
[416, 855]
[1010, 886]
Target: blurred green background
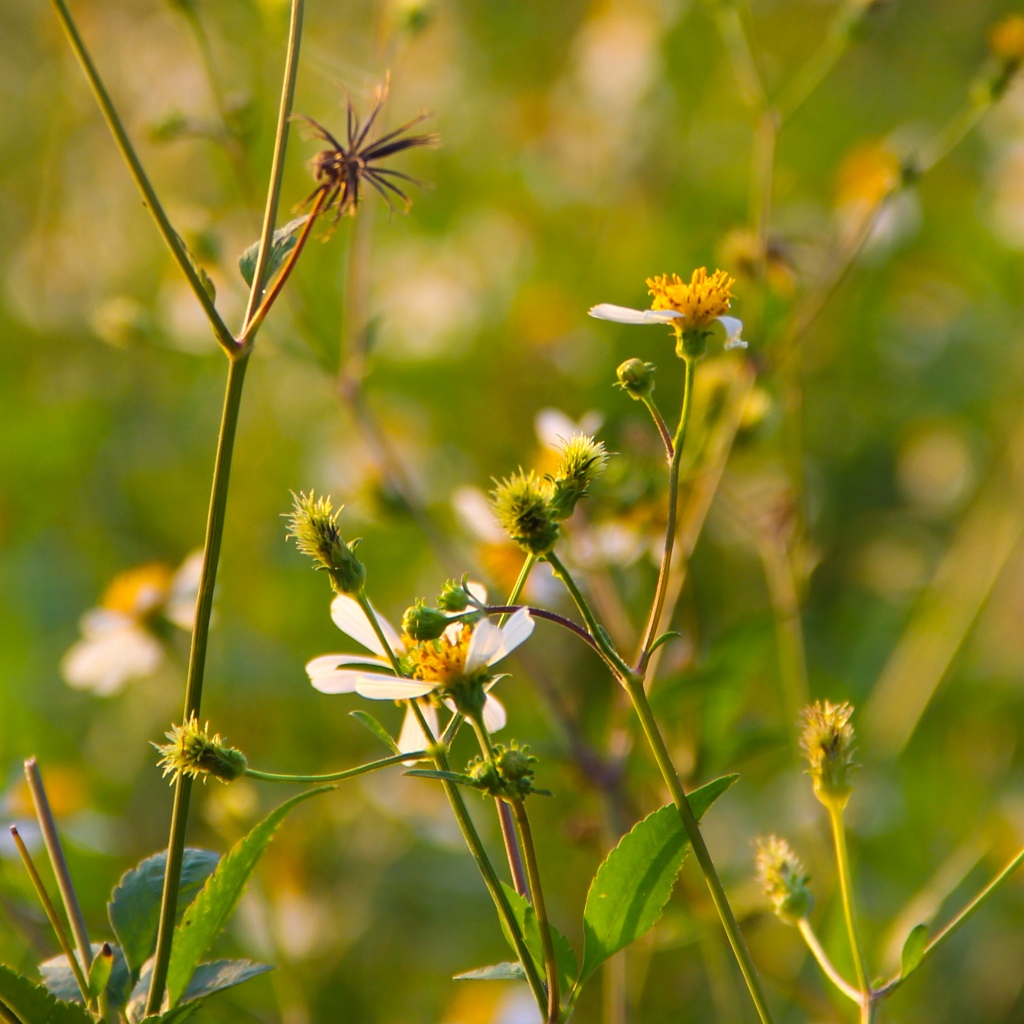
[877, 471]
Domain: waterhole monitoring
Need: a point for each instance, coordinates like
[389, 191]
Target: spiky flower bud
[422, 623]
[827, 743]
[522, 504]
[453, 597]
[194, 752]
[509, 776]
[314, 525]
[783, 878]
[583, 461]
[636, 378]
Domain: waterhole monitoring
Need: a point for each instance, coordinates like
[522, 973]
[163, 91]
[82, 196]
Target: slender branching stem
[543, 613]
[58, 861]
[665, 570]
[170, 236]
[536, 891]
[835, 814]
[51, 913]
[659, 422]
[349, 773]
[396, 665]
[829, 969]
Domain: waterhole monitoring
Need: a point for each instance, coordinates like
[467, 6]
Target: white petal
[733, 327]
[517, 630]
[334, 673]
[553, 427]
[390, 688]
[478, 590]
[625, 315]
[104, 662]
[99, 622]
[494, 714]
[474, 510]
[181, 604]
[411, 738]
[350, 618]
[486, 646]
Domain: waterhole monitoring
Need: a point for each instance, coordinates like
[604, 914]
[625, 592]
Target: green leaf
[59, 979]
[283, 242]
[208, 978]
[430, 773]
[663, 639]
[134, 907]
[634, 883]
[913, 950]
[528, 923]
[29, 1003]
[507, 971]
[367, 721]
[211, 909]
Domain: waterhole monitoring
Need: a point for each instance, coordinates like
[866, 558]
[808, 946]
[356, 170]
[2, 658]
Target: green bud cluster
[454, 597]
[827, 743]
[784, 880]
[509, 776]
[522, 505]
[314, 525]
[636, 378]
[192, 751]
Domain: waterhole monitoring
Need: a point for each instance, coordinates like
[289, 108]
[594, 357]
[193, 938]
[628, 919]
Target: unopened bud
[314, 525]
[422, 623]
[192, 751]
[522, 505]
[827, 743]
[636, 378]
[783, 878]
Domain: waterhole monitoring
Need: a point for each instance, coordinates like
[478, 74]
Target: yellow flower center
[442, 661]
[700, 301]
[138, 591]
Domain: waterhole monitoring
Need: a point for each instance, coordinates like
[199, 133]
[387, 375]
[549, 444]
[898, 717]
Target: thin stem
[51, 913]
[728, 919]
[170, 236]
[547, 942]
[543, 613]
[519, 586]
[603, 644]
[58, 861]
[835, 814]
[512, 851]
[819, 954]
[734, 36]
[276, 164]
[661, 588]
[349, 773]
[196, 668]
[659, 422]
[364, 603]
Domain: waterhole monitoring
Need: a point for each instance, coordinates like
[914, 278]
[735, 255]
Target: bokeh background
[872, 500]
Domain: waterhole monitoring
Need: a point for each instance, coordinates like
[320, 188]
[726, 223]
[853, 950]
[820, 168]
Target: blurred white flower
[120, 638]
[463, 651]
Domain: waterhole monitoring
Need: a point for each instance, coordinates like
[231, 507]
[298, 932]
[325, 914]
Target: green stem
[714, 883]
[486, 868]
[659, 422]
[835, 814]
[51, 913]
[819, 954]
[661, 588]
[58, 861]
[170, 236]
[533, 873]
[604, 645]
[364, 603]
[349, 773]
[196, 668]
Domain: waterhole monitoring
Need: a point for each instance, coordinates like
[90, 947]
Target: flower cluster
[783, 878]
[827, 743]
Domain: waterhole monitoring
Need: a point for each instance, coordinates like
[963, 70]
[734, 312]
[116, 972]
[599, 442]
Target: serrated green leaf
[913, 950]
[530, 927]
[367, 721]
[29, 1003]
[634, 883]
[507, 971]
[283, 242]
[134, 907]
[59, 979]
[211, 909]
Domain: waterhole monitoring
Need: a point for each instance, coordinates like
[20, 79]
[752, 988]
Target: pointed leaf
[211, 909]
[634, 883]
[527, 918]
[60, 980]
[283, 242]
[134, 907]
[29, 1003]
[664, 639]
[212, 977]
[913, 950]
[507, 971]
[135, 1009]
[430, 773]
[367, 721]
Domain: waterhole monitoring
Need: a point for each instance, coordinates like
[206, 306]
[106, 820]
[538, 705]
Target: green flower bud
[194, 752]
[509, 776]
[784, 880]
[314, 526]
[827, 743]
[522, 505]
[583, 461]
[422, 623]
[453, 597]
[636, 378]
